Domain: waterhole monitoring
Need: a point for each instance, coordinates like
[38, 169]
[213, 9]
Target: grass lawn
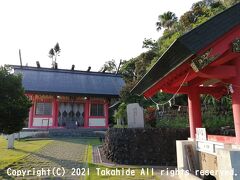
[25, 147]
[93, 172]
[22, 148]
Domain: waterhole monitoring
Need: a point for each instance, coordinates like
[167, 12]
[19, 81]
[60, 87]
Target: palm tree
[53, 53]
[166, 20]
[57, 51]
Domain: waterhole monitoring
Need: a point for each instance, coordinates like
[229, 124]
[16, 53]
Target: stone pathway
[69, 154]
[96, 155]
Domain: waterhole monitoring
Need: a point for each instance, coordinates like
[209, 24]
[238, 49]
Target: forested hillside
[173, 27]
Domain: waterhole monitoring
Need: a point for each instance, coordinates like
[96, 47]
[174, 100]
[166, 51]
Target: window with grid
[97, 110]
[43, 108]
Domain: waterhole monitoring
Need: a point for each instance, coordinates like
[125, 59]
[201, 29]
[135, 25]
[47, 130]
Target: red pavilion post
[106, 113]
[31, 112]
[236, 100]
[194, 106]
[55, 112]
[86, 113]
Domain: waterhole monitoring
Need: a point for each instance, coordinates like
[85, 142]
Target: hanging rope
[169, 101]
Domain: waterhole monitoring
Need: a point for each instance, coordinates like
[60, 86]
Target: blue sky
[89, 32]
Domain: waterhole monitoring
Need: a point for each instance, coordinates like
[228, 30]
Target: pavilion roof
[188, 45]
[69, 82]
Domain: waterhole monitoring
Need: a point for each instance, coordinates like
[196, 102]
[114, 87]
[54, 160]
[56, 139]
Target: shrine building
[69, 98]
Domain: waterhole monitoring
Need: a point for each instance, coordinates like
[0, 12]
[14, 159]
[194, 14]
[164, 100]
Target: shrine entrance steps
[78, 132]
[62, 133]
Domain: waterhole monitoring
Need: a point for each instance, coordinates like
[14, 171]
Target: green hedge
[149, 146]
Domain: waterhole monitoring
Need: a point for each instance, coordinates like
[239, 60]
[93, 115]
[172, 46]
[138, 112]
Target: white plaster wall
[97, 122]
[42, 122]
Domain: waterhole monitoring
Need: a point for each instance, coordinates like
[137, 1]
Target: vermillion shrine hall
[69, 98]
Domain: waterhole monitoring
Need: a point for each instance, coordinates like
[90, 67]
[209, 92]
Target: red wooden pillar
[55, 112]
[30, 117]
[57, 105]
[195, 115]
[31, 112]
[106, 113]
[86, 113]
[236, 101]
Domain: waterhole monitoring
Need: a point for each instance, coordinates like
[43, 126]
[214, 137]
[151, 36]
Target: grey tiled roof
[59, 81]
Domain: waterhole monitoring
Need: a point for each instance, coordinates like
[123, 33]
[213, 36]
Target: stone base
[225, 163]
[228, 164]
[182, 162]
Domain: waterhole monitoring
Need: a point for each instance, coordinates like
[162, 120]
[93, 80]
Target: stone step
[64, 132]
[76, 132]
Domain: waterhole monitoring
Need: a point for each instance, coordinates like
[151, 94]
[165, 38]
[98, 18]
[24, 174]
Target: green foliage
[142, 61]
[109, 66]
[161, 97]
[200, 8]
[150, 44]
[200, 21]
[187, 20]
[125, 94]
[134, 69]
[165, 41]
[14, 105]
[222, 105]
[178, 122]
[209, 121]
[121, 113]
[128, 70]
[120, 126]
[229, 3]
[199, 13]
[166, 20]
[216, 121]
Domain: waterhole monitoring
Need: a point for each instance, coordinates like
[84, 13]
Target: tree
[199, 8]
[142, 62]
[14, 105]
[150, 44]
[229, 3]
[135, 68]
[217, 4]
[166, 20]
[109, 66]
[128, 70]
[187, 19]
[53, 54]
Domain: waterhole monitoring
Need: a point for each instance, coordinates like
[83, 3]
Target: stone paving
[96, 155]
[69, 154]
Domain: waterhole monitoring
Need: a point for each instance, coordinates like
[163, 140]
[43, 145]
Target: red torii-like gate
[204, 61]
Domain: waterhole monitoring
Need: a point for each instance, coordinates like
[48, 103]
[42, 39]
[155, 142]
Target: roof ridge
[64, 71]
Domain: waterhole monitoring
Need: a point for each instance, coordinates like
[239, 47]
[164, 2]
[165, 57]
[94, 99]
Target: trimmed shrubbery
[149, 146]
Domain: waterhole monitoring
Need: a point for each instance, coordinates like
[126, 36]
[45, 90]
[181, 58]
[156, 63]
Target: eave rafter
[218, 72]
[197, 81]
[217, 66]
[187, 89]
